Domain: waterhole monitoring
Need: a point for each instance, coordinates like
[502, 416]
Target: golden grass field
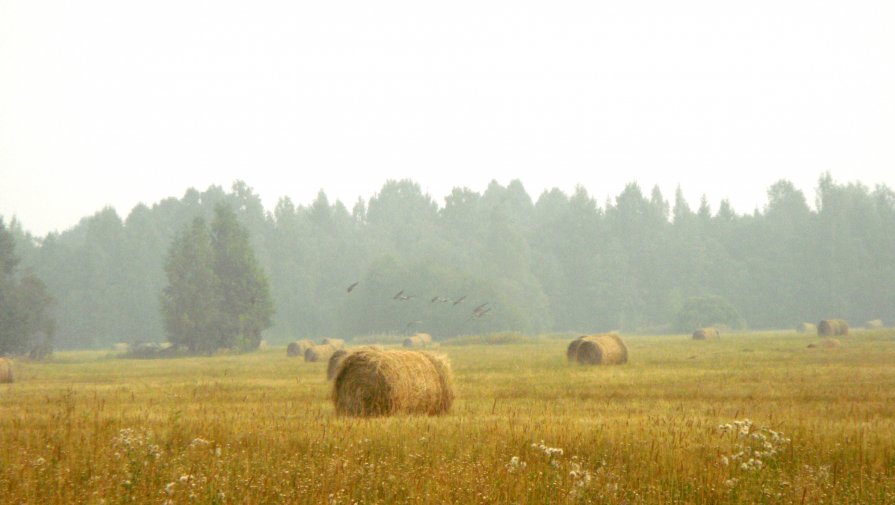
[260, 428]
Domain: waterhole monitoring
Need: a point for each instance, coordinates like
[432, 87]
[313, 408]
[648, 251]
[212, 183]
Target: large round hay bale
[298, 348]
[706, 334]
[605, 349]
[874, 324]
[320, 352]
[372, 382]
[6, 375]
[338, 343]
[572, 350]
[807, 328]
[334, 361]
[826, 343]
[832, 328]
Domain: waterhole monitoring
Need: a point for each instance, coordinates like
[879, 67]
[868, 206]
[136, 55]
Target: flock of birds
[477, 313]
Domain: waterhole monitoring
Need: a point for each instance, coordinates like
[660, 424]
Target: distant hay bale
[572, 350]
[121, 347]
[706, 334]
[807, 328]
[874, 324]
[320, 352]
[832, 328]
[338, 343]
[372, 382]
[418, 340]
[298, 348]
[826, 343]
[6, 375]
[607, 349]
[413, 341]
[334, 361]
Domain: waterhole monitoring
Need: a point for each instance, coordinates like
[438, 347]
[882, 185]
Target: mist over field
[397, 252]
[554, 262]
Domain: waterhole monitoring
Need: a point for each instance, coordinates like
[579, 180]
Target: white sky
[110, 102]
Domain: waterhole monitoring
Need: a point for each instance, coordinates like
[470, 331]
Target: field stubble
[747, 419]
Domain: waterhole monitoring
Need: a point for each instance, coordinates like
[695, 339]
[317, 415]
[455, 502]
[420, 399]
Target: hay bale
[418, 340]
[832, 328]
[826, 343]
[411, 342]
[372, 382]
[807, 328]
[298, 348]
[338, 343]
[605, 349]
[332, 368]
[875, 324]
[706, 334]
[320, 352]
[6, 375]
[572, 350]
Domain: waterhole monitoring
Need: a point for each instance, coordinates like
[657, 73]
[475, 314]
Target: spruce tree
[191, 302]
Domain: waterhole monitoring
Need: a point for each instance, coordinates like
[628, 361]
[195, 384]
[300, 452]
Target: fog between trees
[560, 262]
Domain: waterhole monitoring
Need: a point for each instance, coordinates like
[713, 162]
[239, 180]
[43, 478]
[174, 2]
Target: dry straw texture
[706, 334]
[372, 382]
[832, 328]
[338, 343]
[6, 376]
[332, 368]
[826, 343]
[605, 349]
[320, 352]
[298, 348]
[807, 328]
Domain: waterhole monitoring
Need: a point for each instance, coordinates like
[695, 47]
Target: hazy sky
[107, 102]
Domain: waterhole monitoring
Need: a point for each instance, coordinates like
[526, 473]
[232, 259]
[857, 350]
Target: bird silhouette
[351, 287]
[435, 299]
[459, 300]
[480, 308]
[399, 295]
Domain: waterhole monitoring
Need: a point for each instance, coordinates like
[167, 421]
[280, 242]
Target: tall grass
[260, 428]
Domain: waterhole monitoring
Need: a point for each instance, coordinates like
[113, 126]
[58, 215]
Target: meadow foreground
[755, 418]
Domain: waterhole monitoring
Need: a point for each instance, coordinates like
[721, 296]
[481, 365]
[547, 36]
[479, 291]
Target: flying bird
[459, 300]
[399, 295]
[353, 286]
[480, 308]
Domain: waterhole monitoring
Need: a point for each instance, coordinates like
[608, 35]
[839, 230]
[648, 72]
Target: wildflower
[38, 462]
[515, 464]
[199, 443]
[169, 488]
[724, 461]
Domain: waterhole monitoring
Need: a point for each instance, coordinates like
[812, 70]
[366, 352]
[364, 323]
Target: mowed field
[260, 428]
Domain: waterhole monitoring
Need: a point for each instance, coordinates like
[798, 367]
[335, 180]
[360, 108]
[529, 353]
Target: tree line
[561, 262]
